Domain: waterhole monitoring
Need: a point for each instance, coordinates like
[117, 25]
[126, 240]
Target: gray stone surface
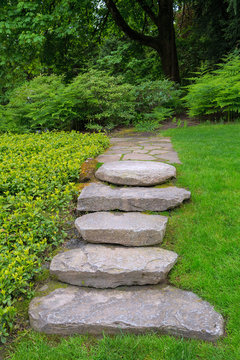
[136, 156]
[140, 148]
[128, 229]
[136, 173]
[106, 266]
[107, 158]
[141, 151]
[155, 147]
[171, 156]
[157, 152]
[74, 243]
[162, 309]
[99, 197]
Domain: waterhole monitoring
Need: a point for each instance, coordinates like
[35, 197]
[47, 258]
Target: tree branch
[148, 11]
[144, 23]
[132, 34]
[100, 26]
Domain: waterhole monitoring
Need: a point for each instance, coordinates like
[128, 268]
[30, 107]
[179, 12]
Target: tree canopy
[66, 36]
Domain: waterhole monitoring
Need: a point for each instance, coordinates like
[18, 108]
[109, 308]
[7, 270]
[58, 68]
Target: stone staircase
[122, 287]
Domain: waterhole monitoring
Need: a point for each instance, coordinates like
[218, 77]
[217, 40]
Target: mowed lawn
[206, 234]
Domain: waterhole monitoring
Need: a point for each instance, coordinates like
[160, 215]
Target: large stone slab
[162, 309]
[105, 266]
[99, 197]
[135, 173]
[128, 229]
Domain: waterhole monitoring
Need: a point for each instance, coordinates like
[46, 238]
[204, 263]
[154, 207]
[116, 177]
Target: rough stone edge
[100, 329]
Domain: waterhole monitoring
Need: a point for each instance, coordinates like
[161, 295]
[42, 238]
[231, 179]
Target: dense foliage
[66, 37]
[44, 37]
[93, 99]
[46, 103]
[133, 62]
[217, 23]
[29, 105]
[36, 184]
[217, 92]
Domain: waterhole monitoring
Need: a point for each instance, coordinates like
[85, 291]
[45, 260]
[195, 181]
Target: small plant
[94, 127]
[179, 123]
[162, 113]
[99, 164]
[146, 125]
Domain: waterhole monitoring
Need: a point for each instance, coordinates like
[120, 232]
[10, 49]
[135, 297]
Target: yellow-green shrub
[37, 178]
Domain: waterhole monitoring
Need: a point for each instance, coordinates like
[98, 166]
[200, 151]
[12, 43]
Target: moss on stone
[50, 285]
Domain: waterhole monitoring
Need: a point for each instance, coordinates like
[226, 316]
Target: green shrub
[93, 100]
[46, 102]
[162, 113]
[30, 105]
[217, 92]
[155, 102]
[37, 178]
[97, 97]
[153, 95]
[146, 125]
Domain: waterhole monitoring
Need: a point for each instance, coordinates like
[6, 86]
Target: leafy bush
[30, 105]
[159, 93]
[36, 184]
[146, 125]
[46, 102]
[151, 103]
[97, 97]
[93, 100]
[155, 102]
[217, 92]
[151, 122]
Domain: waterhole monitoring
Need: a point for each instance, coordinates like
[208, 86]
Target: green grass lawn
[206, 235]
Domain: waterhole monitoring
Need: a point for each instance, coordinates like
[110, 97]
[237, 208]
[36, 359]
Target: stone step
[162, 309]
[106, 266]
[100, 197]
[135, 173]
[128, 229]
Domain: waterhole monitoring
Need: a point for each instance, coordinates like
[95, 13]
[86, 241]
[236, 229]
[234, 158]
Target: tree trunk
[164, 43]
[168, 55]
[167, 44]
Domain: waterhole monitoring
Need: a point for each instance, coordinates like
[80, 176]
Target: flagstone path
[117, 254]
[154, 148]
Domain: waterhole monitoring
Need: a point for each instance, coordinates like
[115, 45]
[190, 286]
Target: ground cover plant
[37, 178]
[205, 234]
